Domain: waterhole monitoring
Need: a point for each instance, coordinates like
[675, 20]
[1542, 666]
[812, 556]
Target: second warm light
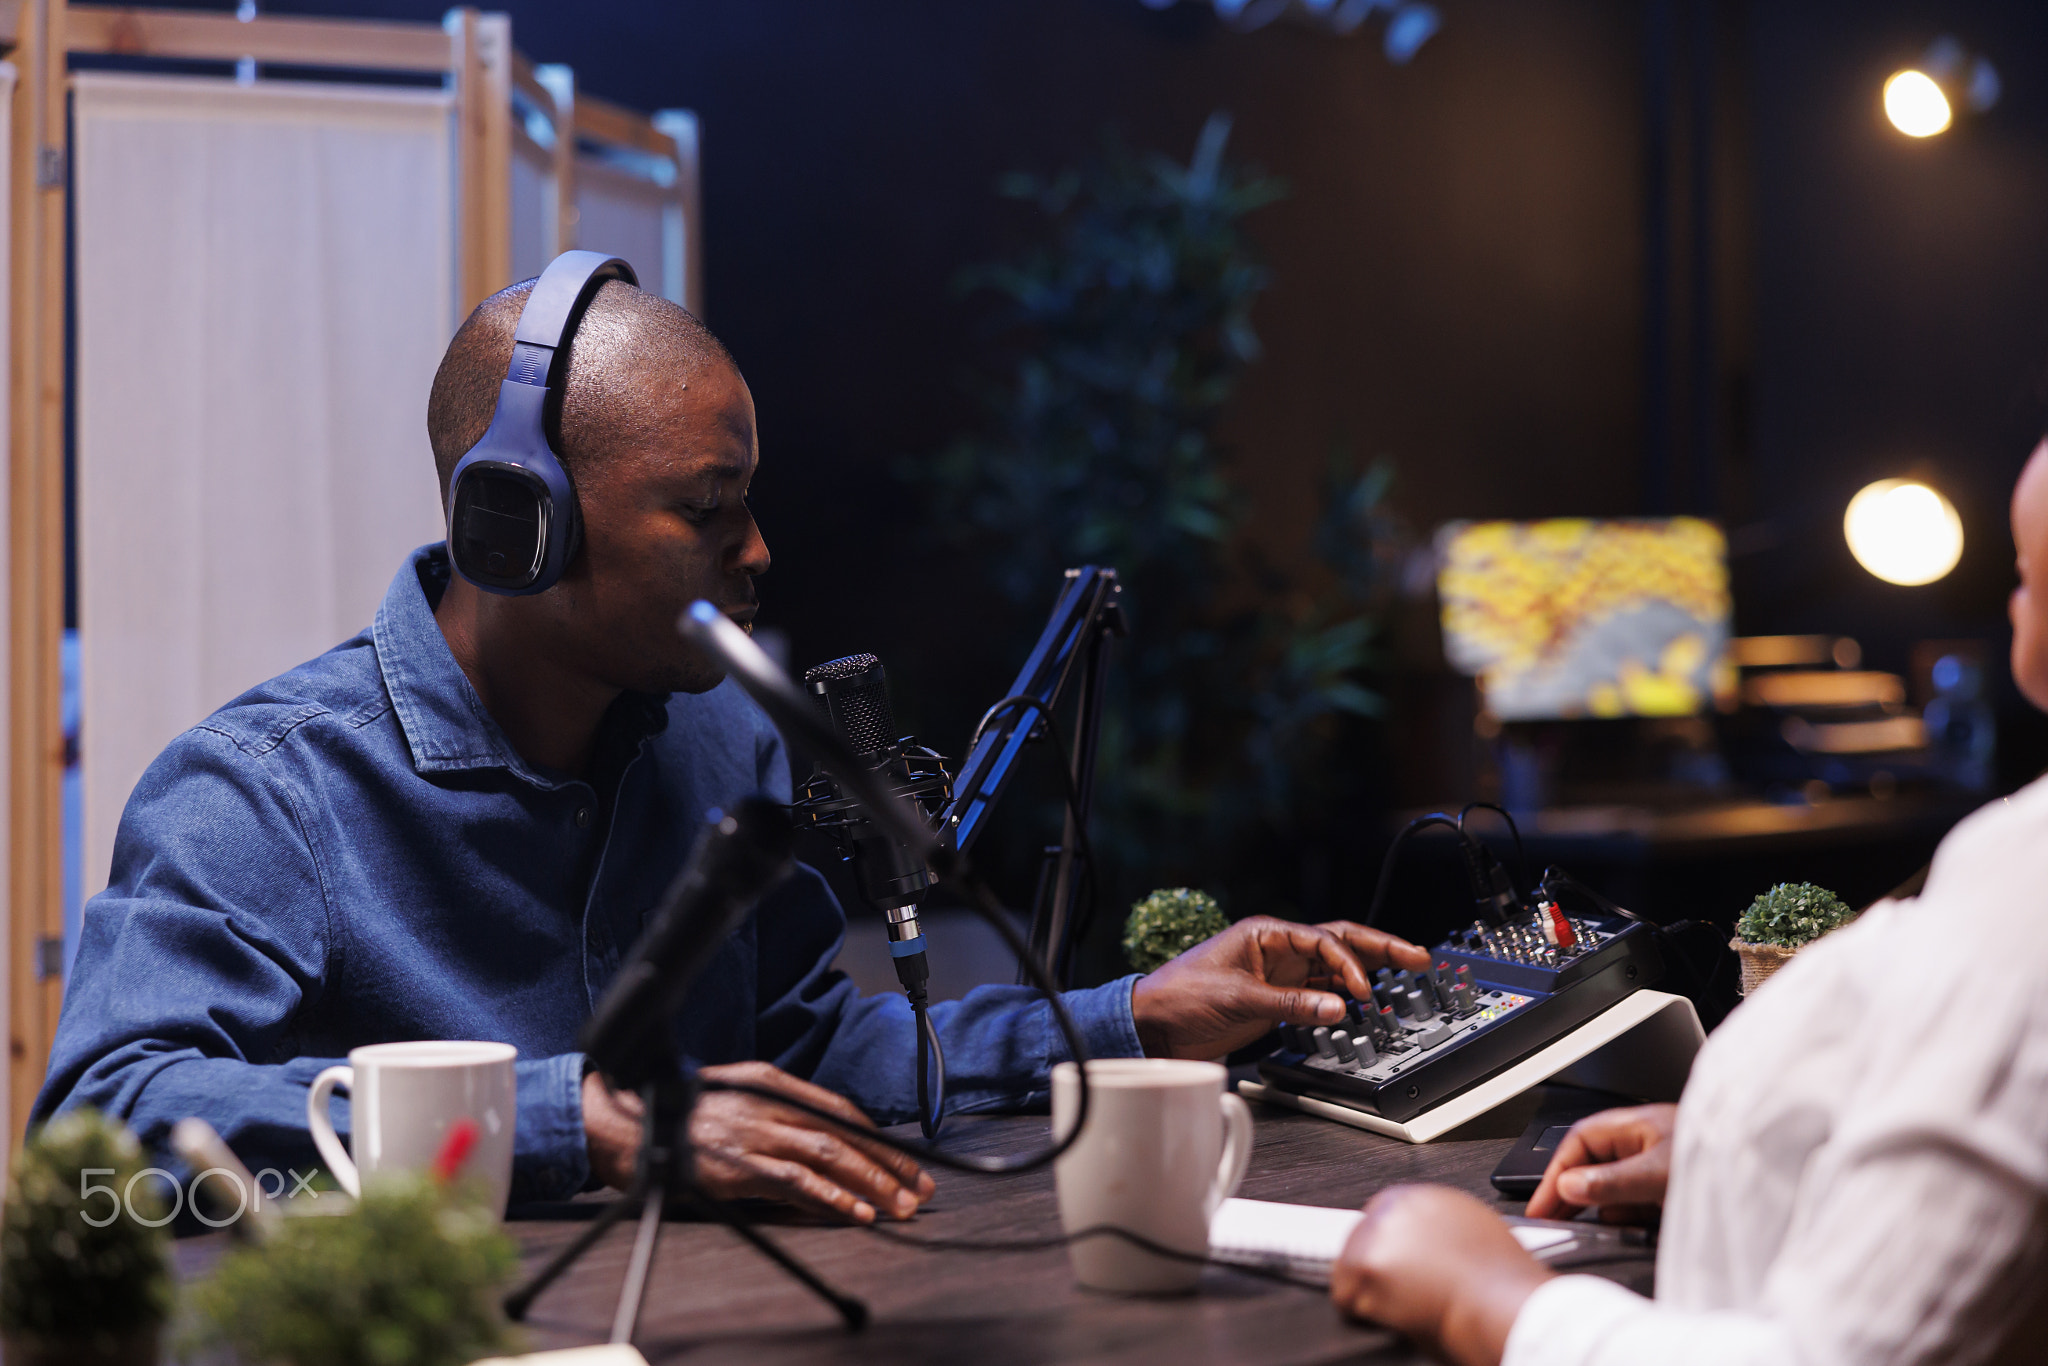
[1915, 104]
[1903, 531]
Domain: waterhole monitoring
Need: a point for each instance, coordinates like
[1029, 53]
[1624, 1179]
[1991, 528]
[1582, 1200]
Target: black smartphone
[1557, 1109]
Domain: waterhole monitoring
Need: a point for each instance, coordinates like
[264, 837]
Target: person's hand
[1618, 1160]
[1439, 1266]
[1228, 990]
[611, 1131]
[746, 1146]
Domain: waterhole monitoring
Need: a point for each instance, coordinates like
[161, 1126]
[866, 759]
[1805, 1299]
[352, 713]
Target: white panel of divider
[264, 285]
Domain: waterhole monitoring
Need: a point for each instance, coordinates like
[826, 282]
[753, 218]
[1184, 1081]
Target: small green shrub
[79, 1268]
[407, 1278]
[1169, 922]
[1791, 914]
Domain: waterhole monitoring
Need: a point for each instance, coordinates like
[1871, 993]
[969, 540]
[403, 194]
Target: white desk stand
[1640, 1046]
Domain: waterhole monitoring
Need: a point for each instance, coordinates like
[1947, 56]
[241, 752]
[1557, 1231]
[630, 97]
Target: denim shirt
[353, 853]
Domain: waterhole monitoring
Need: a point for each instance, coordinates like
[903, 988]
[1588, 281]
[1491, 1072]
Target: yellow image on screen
[1576, 617]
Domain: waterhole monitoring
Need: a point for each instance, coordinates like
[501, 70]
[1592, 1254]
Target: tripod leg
[852, 1312]
[633, 1293]
[520, 1300]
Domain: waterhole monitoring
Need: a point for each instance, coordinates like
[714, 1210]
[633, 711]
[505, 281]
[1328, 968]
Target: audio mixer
[1492, 995]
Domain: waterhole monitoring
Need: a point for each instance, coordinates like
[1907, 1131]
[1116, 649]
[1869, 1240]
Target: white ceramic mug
[403, 1100]
[1165, 1144]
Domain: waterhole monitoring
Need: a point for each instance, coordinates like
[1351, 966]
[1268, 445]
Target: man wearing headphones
[454, 825]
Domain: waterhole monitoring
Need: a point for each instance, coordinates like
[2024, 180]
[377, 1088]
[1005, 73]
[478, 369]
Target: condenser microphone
[852, 694]
[891, 872]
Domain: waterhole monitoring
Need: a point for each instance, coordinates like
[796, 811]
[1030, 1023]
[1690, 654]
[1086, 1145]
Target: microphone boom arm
[1075, 639]
[1087, 613]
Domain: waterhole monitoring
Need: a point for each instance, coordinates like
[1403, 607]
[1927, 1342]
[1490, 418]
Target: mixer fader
[1492, 995]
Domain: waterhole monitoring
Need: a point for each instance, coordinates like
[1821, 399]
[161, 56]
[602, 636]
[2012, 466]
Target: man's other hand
[1617, 1160]
[1439, 1266]
[1227, 991]
[747, 1146]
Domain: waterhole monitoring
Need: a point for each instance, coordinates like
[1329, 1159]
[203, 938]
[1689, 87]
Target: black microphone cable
[1494, 893]
[984, 901]
[1379, 891]
[1521, 858]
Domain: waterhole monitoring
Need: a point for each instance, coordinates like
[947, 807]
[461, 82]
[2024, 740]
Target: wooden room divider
[539, 167]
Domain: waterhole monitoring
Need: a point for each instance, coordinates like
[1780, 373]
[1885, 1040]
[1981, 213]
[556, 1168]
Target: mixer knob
[1325, 1047]
[1417, 1003]
[1340, 1039]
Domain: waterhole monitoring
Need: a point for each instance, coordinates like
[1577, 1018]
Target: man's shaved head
[625, 334]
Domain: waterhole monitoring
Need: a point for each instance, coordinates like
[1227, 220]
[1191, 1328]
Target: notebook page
[1306, 1239]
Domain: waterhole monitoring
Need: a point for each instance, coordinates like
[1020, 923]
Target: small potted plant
[1779, 923]
[412, 1274]
[1168, 923]
[84, 1275]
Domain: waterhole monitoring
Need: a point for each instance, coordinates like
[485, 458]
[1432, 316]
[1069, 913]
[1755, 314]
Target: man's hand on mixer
[1439, 1266]
[1229, 990]
[1617, 1160]
[746, 1146]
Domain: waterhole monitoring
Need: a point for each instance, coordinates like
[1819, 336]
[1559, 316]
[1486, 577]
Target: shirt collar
[444, 721]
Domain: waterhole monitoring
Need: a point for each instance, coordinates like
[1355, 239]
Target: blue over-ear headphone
[513, 522]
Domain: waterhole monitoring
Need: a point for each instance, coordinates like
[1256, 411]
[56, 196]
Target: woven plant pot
[1759, 961]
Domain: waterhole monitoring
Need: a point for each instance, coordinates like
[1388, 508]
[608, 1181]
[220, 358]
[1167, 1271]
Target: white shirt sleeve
[1585, 1321]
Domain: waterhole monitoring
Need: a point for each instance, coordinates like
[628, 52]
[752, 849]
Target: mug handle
[329, 1143]
[1237, 1149]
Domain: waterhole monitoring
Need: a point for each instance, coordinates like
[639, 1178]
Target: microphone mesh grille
[854, 694]
[842, 668]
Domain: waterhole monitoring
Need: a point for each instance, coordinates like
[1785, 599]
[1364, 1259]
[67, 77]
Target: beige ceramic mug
[1165, 1144]
[403, 1100]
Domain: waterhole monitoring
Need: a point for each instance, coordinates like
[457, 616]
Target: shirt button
[582, 817]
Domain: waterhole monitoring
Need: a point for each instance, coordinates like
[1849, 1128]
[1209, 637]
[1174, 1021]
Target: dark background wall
[1455, 272]
[1902, 318]
[1460, 272]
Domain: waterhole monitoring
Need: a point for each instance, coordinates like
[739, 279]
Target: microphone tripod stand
[740, 856]
[663, 1170]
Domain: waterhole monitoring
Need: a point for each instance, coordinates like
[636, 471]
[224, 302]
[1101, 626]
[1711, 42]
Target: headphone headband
[540, 345]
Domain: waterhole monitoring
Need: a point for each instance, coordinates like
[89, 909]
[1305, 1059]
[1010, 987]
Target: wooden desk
[712, 1300]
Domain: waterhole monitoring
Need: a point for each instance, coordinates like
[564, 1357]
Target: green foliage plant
[1168, 923]
[409, 1277]
[1792, 914]
[1117, 341]
[83, 1274]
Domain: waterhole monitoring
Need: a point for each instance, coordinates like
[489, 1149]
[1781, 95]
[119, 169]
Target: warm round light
[1915, 104]
[1903, 532]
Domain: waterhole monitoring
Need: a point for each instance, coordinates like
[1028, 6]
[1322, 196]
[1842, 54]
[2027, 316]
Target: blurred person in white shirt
[1857, 1172]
